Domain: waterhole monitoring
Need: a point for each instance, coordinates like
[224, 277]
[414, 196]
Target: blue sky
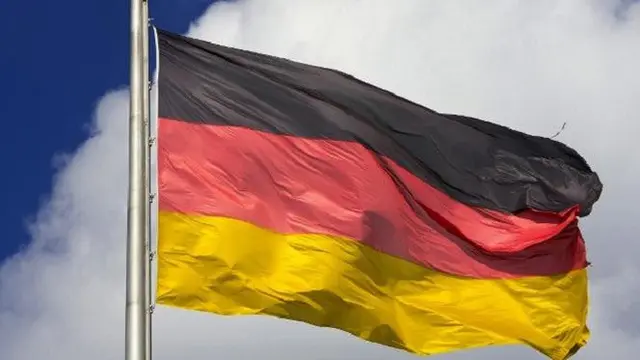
[55, 65]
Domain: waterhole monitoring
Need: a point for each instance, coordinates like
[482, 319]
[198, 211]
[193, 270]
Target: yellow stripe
[230, 267]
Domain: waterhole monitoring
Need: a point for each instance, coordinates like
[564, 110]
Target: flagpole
[136, 307]
[147, 213]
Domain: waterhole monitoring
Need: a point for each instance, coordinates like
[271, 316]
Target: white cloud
[529, 64]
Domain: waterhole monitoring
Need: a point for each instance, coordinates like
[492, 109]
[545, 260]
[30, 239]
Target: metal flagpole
[147, 180]
[136, 307]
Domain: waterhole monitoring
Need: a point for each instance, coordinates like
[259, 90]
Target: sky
[531, 65]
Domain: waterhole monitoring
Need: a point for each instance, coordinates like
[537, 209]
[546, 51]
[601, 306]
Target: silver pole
[136, 307]
[147, 180]
[147, 157]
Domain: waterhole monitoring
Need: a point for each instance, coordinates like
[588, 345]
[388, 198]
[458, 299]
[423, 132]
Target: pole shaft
[147, 180]
[136, 307]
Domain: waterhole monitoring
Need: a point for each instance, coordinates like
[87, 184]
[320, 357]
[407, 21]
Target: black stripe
[476, 162]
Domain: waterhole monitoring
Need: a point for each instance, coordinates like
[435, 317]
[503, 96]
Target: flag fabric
[304, 193]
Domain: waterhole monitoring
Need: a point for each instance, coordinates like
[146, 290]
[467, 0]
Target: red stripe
[297, 185]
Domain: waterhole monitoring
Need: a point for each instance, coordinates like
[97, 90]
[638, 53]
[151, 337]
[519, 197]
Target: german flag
[301, 192]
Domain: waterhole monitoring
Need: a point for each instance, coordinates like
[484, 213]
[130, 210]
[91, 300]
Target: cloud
[532, 65]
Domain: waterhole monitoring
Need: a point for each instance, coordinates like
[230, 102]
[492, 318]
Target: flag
[301, 192]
